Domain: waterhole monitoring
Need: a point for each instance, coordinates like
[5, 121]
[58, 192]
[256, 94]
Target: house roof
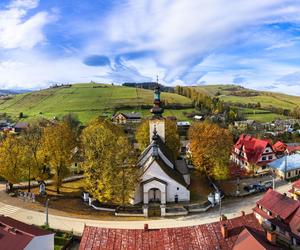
[279, 204]
[291, 162]
[206, 236]
[17, 235]
[279, 147]
[250, 239]
[21, 125]
[296, 184]
[130, 115]
[253, 147]
[154, 179]
[181, 166]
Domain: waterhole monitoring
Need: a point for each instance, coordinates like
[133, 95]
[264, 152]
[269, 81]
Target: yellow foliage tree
[12, 159]
[58, 142]
[172, 137]
[210, 148]
[109, 164]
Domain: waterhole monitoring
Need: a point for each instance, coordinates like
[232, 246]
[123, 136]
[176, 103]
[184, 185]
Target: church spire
[157, 109]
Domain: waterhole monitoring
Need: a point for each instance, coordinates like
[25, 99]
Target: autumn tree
[109, 162]
[58, 142]
[210, 148]
[12, 158]
[31, 140]
[172, 139]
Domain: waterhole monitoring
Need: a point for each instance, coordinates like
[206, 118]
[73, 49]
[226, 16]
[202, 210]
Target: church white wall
[155, 171]
[45, 242]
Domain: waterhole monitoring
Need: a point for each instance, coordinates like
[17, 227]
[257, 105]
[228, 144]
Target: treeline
[209, 106]
[148, 85]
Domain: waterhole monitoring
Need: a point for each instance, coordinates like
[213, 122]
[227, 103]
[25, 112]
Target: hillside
[85, 100]
[238, 95]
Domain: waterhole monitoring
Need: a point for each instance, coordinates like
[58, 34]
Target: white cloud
[16, 31]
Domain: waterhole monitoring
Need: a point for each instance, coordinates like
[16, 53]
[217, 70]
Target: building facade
[252, 153]
[161, 179]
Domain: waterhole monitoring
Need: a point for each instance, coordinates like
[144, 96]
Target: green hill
[238, 95]
[85, 100]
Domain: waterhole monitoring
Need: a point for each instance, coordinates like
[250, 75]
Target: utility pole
[47, 219]
[220, 203]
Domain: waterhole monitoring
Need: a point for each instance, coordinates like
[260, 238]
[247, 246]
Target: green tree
[172, 139]
[58, 142]
[210, 148]
[110, 173]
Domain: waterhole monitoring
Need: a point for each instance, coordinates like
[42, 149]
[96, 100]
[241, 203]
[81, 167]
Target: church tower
[157, 122]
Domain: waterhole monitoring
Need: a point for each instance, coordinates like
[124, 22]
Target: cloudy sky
[254, 43]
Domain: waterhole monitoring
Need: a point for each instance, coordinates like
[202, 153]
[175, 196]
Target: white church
[162, 180]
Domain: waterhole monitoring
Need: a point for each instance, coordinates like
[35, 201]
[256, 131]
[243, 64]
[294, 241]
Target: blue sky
[253, 43]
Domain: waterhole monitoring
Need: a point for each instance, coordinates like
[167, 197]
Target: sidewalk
[231, 208]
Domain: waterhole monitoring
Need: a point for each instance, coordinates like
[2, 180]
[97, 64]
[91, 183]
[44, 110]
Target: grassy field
[232, 93]
[260, 115]
[85, 100]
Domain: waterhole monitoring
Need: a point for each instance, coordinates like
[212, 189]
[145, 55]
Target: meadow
[87, 101]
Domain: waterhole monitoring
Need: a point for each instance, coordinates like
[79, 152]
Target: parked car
[268, 184]
[250, 189]
[259, 187]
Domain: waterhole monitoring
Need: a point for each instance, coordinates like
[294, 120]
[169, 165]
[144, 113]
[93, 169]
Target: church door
[154, 195]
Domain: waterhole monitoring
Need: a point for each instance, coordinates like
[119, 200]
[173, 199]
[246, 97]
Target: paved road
[231, 208]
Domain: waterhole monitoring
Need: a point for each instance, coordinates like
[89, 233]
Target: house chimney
[146, 227]
[271, 237]
[243, 213]
[224, 231]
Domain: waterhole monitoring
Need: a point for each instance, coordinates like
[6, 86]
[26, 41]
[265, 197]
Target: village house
[280, 217]
[20, 236]
[161, 179]
[252, 153]
[286, 167]
[240, 233]
[295, 191]
[20, 126]
[124, 118]
[281, 148]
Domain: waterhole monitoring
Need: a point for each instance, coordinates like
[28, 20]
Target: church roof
[154, 179]
[161, 145]
[172, 173]
[181, 166]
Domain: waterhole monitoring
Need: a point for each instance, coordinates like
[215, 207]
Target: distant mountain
[5, 92]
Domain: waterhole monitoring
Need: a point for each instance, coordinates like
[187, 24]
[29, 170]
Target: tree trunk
[29, 179]
[57, 189]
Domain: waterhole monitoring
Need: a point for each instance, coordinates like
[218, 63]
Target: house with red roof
[240, 233]
[280, 217]
[16, 235]
[252, 153]
[295, 191]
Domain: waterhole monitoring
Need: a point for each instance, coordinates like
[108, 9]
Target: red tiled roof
[279, 147]
[207, 236]
[250, 239]
[25, 228]
[292, 149]
[296, 184]
[253, 147]
[17, 235]
[278, 204]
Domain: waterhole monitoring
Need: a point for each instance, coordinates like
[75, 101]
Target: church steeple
[157, 122]
[157, 109]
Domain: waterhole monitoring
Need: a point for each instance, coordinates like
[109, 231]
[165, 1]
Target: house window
[263, 158]
[270, 157]
[263, 167]
[177, 188]
[289, 174]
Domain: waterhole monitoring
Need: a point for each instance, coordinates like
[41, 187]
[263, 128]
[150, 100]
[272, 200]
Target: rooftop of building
[288, 162]
[206, 236]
